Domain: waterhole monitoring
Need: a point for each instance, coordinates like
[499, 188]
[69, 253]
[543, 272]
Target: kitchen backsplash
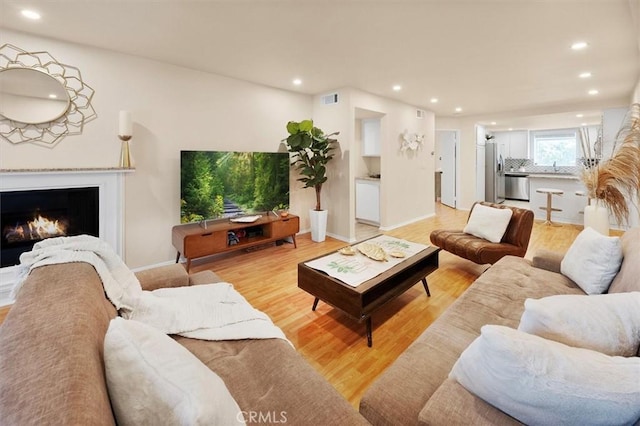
[528, 165]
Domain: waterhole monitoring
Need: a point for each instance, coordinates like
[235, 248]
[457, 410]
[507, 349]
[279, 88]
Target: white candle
[126, 125]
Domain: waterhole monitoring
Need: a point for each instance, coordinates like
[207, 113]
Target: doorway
[447, 142]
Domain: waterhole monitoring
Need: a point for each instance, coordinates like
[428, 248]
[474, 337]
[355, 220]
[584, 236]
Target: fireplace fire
[35, 230]
[34, 215]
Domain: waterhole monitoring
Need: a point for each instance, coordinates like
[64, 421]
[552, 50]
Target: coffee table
[360, 302]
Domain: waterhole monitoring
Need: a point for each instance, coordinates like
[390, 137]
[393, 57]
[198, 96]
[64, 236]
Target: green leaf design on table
[341, 268]
[400, 244]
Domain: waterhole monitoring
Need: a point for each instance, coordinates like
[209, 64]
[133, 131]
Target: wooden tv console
[193, 240]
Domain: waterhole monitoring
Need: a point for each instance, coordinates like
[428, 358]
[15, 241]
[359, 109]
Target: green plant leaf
[306, 125]
[294, 141]
[305, 140]
[293, 127]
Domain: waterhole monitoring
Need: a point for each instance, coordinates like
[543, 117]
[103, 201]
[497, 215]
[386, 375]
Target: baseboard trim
[409, 222]
[156, 265]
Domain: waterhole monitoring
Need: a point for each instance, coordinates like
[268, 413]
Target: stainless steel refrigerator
[494, 174]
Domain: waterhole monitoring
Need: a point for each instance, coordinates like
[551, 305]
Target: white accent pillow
[607, 323]
[542, 382]
[592, 261]
[487, 222]
[152, 379]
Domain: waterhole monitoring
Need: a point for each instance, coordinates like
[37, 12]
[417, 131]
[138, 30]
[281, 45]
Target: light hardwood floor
[334, 344]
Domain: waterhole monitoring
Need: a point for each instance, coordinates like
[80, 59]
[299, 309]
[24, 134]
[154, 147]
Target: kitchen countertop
[554, 176]
[543, 175]
[368, 178]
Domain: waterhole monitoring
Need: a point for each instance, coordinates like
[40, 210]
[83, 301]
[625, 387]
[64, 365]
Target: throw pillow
[487, 222]
[152, 379]
[540, 381]
[607, 323]
[628, 278]
[592, 261]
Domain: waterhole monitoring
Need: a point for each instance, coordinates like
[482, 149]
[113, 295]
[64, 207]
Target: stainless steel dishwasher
[517, 186]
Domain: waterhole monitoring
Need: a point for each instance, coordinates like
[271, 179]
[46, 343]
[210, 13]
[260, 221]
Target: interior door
[447, 140]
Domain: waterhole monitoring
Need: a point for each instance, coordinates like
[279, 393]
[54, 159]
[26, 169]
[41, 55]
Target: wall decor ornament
[411, 141]
[42, 100]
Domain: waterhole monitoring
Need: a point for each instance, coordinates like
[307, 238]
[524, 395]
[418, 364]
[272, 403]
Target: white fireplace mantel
[110, 183]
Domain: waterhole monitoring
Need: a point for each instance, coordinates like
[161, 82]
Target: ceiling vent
[419, 113]
[329, 99]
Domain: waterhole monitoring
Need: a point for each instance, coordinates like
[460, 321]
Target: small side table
[550, 193]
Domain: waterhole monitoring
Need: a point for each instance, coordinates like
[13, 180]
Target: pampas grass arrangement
[617, 179]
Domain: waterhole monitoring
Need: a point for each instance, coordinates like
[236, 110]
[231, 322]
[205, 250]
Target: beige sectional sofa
[416, 388]
[52, 364]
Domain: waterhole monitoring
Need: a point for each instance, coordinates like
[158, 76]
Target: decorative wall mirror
[41, 100]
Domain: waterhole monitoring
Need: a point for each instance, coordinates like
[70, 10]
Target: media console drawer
[204, 244]
[285, 227]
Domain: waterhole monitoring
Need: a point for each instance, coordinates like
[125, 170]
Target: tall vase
[596, 216]
[318, 225]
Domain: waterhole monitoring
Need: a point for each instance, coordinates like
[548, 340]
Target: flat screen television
[218, 184]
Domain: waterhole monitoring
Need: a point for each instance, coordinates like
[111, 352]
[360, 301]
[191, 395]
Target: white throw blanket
[208, 312]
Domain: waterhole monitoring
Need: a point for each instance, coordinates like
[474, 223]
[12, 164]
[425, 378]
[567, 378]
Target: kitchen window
[555, 147]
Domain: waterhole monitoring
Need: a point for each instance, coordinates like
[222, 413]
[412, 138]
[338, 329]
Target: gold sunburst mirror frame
[72, 106]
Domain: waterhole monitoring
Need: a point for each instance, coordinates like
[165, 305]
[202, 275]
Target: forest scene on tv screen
[215, 184]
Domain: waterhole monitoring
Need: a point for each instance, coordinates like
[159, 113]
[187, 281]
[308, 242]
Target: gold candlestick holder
[125, 154]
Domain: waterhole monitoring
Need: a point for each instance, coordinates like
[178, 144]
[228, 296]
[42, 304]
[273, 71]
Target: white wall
[174, 108]
[407, 182]
[336, 192]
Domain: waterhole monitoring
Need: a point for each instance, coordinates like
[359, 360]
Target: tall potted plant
[613, 185]
[311, 149]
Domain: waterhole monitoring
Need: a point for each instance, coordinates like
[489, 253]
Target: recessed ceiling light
[583, 124]
[458, 109]
[579, 45]
[585, 74]
[53, 96]
[297, 81]
[593, 92]
[30, 14]
[579, 115]
[493, 123]
[510, 128]
[434, 100]
[397, 88]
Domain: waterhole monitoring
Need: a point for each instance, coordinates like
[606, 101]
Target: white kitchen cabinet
[519, 144]
[371, 137]
[368, 201]
[514, 144]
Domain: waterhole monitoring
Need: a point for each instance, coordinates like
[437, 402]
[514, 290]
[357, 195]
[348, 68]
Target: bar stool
[550, 192]
[583, 194]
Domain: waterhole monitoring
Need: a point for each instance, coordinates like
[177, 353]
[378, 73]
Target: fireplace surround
[107, 186]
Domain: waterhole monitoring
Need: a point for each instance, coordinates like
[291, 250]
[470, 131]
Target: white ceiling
[498, 60]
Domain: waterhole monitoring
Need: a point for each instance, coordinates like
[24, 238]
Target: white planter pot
[318, 225]
[596, 216]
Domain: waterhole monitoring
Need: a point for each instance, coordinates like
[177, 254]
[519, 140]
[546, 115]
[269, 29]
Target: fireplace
[27, 217]
[107, 186]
